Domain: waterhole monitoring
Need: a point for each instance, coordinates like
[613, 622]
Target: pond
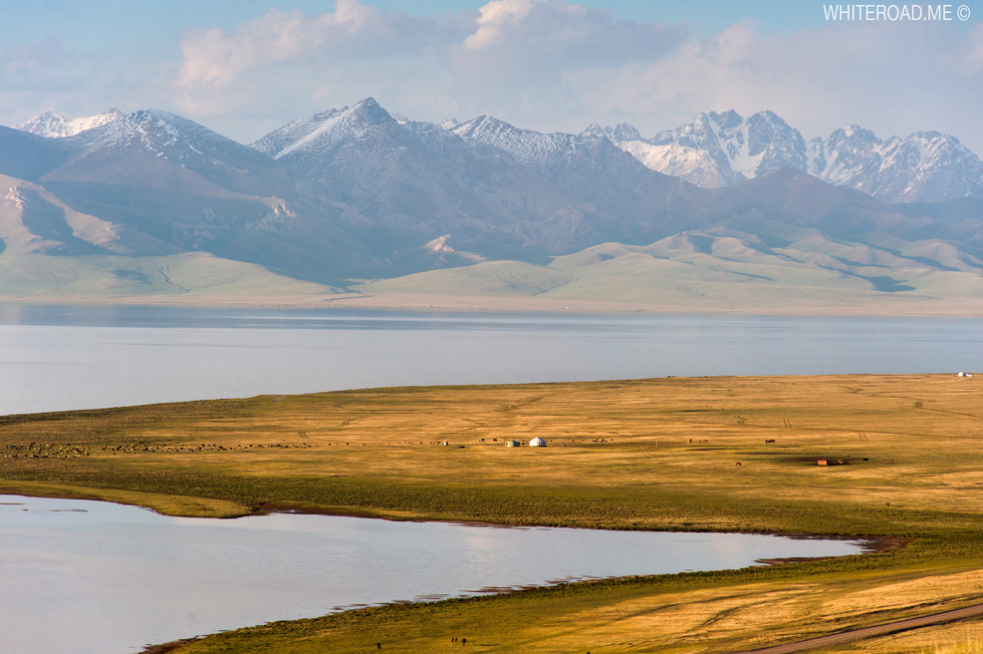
[79, 577]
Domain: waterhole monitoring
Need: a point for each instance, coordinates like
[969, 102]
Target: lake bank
[877, 305]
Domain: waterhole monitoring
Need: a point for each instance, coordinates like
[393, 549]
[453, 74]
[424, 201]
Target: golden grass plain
[721, 454]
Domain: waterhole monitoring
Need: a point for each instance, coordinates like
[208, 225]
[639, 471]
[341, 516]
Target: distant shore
[942, 308]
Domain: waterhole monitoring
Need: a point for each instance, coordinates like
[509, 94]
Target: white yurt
[537, 442]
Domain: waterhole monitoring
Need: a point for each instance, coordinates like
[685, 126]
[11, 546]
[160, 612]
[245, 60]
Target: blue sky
[246, 67]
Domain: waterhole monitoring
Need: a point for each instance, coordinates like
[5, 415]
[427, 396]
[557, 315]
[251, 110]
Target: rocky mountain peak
[722, 149]
[52, 124]
[324, 129]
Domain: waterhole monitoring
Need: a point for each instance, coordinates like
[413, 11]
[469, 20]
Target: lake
[115, 578]
[81, 577]
[78, 357]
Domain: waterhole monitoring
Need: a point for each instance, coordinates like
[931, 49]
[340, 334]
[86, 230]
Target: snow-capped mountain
[723, 149]
[525, 145]
[162, 149]
[358, 192]
[322, 131]
[741, 149]
[54, 125]
[417, 182]
[618, 133]
[924, 167]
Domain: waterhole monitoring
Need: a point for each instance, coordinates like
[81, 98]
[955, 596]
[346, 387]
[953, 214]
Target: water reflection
[115, 578]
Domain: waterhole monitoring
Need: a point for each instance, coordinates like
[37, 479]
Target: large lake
[76, 357]
[94, 578]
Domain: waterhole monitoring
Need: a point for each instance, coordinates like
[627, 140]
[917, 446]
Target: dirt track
[891, 627]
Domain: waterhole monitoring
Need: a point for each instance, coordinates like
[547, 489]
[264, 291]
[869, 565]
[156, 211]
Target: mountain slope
[181, 184]
[416, 182]
[27, 156]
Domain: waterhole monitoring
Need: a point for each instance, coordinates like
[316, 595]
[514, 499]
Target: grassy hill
[728, 269]
[179, 278]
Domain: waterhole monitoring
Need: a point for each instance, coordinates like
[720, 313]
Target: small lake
[78, 357]
[80, 577]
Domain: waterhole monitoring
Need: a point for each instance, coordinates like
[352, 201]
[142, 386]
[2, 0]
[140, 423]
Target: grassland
[722, 454]
[187, 278]
[725, 268]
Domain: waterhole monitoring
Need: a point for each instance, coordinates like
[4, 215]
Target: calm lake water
[94, 578]
[76, 357]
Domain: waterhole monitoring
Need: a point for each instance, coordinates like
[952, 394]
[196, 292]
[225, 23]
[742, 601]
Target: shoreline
[426, 303]
[870, 546]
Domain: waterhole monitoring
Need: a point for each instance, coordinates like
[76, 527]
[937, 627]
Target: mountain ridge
[719, 149]
[358, 193]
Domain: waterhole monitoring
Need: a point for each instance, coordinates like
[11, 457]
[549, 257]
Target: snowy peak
[718, 149]
[158, 133]
[325, 129]
[54, 125]
[162, 150]
[740, 148]
[526, 146]
[616, 134]
[923, 167]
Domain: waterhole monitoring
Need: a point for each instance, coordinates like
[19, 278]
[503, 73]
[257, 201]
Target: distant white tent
[537, 442]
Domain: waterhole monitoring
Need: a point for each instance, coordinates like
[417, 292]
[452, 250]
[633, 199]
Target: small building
[513, 444]
[537, 442]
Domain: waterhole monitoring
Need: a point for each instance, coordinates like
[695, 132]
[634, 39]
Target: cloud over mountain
[550, 65]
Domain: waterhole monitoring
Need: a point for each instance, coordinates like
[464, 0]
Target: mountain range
[719, 149]
[358, 202]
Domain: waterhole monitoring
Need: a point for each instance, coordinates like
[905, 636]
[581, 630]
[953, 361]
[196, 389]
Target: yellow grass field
[904, 461]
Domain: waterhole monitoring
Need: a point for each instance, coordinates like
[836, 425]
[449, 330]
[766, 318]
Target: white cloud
[495, 17]
[543, 64]
[33, 57]
[221, 71]
[511, 56]
[891, 78]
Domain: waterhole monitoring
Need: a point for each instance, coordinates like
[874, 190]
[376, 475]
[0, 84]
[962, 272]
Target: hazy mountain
[414, 182]
[178, 183]
[924, 167]
[55, 125]
[724, 149]
[632, 202]
[27, 156]
[358, 193]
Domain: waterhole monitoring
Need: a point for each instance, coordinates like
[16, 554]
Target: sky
[246, 67]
